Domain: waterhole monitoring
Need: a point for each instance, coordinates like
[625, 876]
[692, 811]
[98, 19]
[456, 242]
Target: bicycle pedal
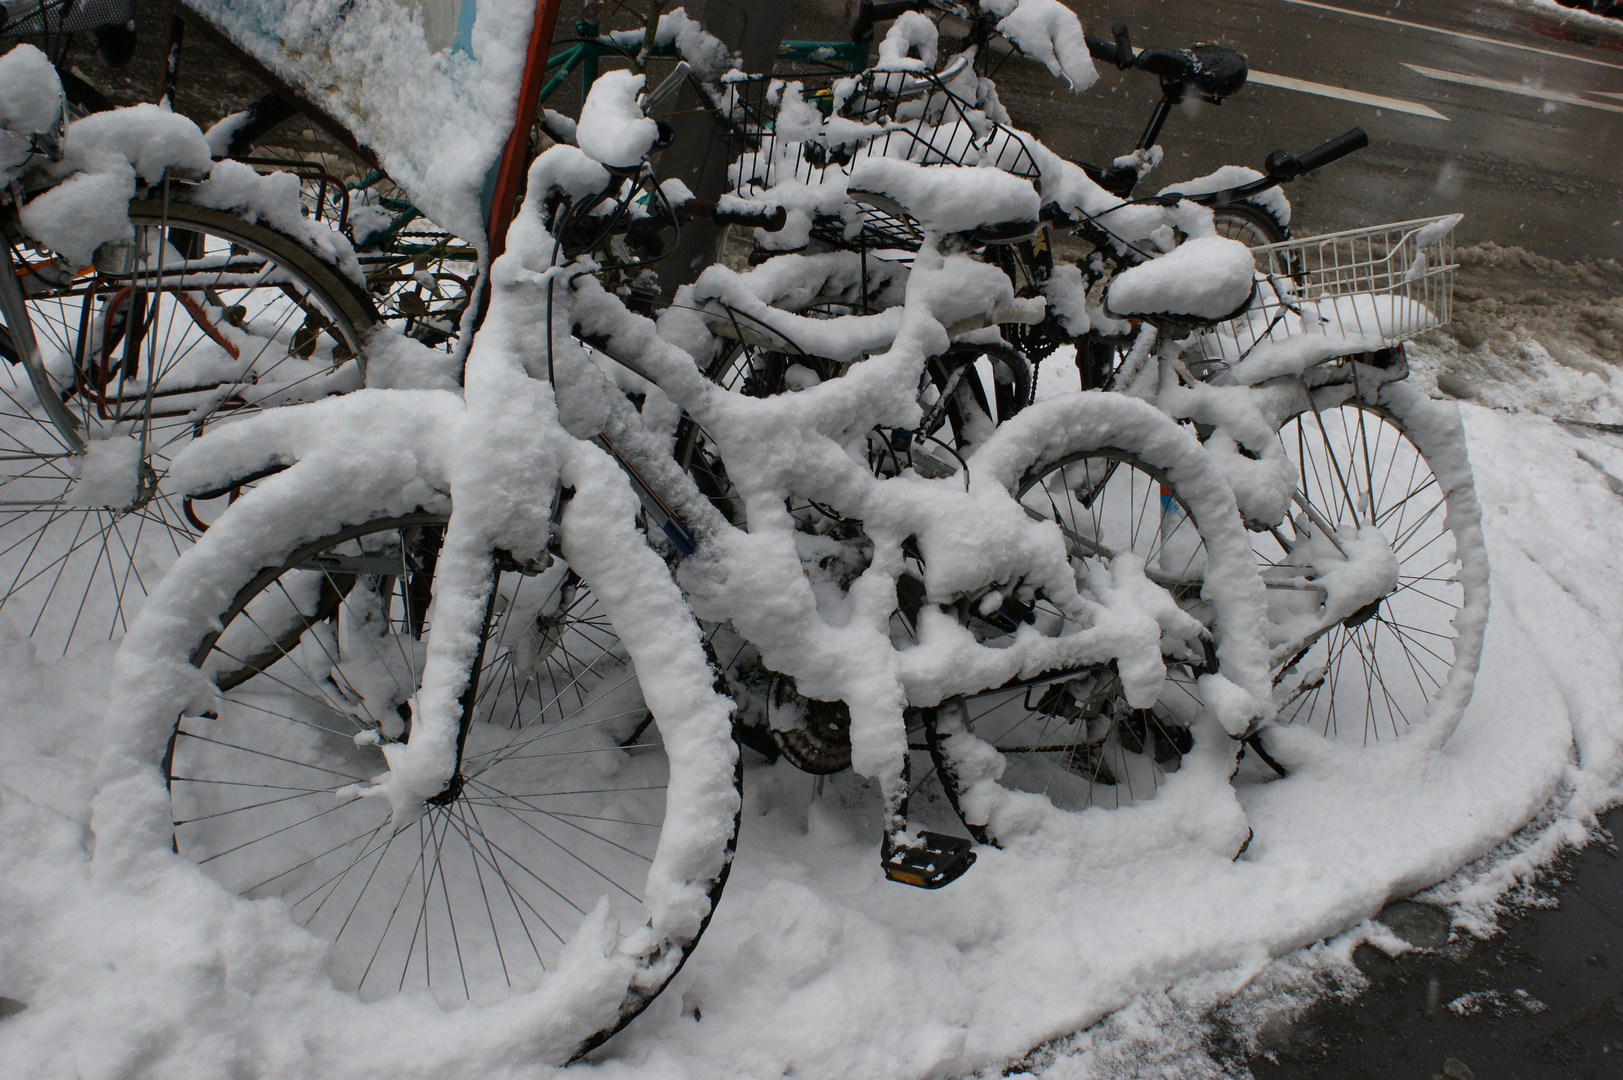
[937, 860]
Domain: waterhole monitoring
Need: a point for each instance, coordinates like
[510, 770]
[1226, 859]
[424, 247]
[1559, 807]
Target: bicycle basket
[1374, 287]
[912, 116]
[63, 16]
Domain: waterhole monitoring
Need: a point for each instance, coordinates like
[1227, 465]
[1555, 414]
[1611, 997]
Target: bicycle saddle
[1214, 71]
[1203, 281]
[995, 205]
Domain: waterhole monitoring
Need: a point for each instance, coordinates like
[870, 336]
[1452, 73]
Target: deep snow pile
[1530, 332]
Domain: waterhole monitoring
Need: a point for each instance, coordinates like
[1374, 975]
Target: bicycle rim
[1375, 673]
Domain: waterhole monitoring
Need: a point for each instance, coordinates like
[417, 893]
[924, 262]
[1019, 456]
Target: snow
[437, 117]
[909, 45]
[108, 473]
[1271, 199]
[132, 961]
[103, 156]
[946, 199]
[273, 198]
[612, 128]
[1049, 31]
[705, 54]
[1207, 277]
[31, 103]
[813, 963]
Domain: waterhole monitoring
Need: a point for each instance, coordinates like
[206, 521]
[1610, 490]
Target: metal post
[698, 155]
[510, 171]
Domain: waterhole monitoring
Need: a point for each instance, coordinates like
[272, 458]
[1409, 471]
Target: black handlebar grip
[1282, 165]
[771, 218]
[1117, 53]
[1100, 49]
[1124, 45]
[1334, 150]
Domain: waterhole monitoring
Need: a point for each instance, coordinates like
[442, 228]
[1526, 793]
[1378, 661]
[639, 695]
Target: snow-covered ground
[1132, 930]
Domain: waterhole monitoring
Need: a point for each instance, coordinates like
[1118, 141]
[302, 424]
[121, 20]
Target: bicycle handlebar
[746, 213]
[1286, 166]
[768, 216]
[1118, 52]
[1282, 166]
[1214, 71]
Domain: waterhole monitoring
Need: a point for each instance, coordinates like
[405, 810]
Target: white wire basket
[1372, 288]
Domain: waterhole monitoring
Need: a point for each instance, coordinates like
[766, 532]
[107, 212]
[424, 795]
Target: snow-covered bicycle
[1325, 445]
[459, 679]
[465, 726]
[148, 293]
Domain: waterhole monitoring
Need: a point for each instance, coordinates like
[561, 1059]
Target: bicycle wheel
[1396, 516]
[558, 804]
[974, 388]
[1071, 735]
[420, 277]
[241, 318]
[1248, 223]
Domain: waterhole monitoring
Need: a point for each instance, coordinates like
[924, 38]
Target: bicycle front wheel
[209, 318]
[559, 804]
[1389, 480]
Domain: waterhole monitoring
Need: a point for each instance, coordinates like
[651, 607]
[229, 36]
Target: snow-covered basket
[1374, 287]
[810, 136]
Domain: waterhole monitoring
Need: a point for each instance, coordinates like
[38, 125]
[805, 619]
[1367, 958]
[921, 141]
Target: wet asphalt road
[1543, 1000]
[1539, 172]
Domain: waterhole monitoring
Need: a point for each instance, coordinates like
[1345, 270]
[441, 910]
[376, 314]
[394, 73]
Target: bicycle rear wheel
[419, 276]
[1248, 223]
[241, 318]
[559, 802]
[1370, 666]
[1071, 736]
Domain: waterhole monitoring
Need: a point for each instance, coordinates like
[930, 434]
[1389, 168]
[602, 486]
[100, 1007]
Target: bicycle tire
[1071, 737]
[1395, 460]
[968, 417]
[314, 660]
[1248, 223]
[76, 563]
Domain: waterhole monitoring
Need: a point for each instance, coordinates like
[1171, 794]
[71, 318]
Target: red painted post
[510, 174]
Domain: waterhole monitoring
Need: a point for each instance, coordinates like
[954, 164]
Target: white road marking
[1511, 88]
[1606, 93]
[1341, 93]
[1454, 33]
